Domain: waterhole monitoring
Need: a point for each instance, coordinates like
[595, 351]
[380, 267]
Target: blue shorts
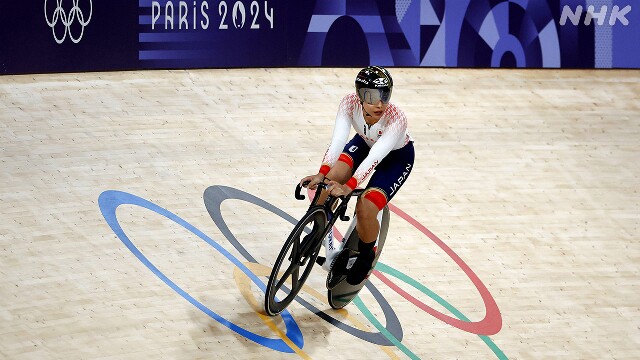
[390, 173]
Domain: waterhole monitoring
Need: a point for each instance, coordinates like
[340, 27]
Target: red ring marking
[492, 322]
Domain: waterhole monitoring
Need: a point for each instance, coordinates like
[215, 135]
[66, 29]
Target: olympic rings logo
[67, 19]
[291, 340]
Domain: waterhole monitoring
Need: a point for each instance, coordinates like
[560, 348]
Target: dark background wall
[95, 35]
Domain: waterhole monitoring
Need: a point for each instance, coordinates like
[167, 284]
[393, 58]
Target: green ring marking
[410, 281]
[382, 329]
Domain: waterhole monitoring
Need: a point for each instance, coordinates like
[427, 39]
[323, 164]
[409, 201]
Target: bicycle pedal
[320, 260]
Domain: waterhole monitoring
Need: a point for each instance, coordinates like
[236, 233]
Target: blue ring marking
[110, 200]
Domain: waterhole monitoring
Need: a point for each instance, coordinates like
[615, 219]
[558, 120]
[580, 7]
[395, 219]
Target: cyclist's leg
[367, 224]
[389, 176]
[368, 227]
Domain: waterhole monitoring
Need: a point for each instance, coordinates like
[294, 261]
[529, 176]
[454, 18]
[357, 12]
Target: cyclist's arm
[394, 134]
[340, 135]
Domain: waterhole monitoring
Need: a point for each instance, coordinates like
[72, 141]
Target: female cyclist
[381, 143]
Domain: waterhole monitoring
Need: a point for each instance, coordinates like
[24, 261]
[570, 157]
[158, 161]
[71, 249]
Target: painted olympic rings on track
[292, 340]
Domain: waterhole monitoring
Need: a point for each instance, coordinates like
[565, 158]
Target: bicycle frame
[328, 204]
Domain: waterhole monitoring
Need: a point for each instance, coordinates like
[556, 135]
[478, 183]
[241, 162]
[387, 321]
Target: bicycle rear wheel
[297, 256]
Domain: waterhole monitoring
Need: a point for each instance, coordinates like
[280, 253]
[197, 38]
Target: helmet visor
[372, 96]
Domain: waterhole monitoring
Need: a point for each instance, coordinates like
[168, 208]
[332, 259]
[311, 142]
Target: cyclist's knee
[366, 209]
[377, 197]
[374, 200]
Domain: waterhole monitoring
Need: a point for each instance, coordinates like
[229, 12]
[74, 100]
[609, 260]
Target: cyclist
[382, 143]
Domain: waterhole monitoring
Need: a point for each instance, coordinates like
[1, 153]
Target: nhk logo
[614, 15]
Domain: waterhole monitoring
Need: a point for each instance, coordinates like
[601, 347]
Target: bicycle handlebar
[299, 196]
[345, 198]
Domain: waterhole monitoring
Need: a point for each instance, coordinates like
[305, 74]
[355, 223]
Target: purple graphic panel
[91, 35]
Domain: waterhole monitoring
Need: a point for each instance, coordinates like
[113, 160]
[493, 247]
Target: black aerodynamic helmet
[373, 84]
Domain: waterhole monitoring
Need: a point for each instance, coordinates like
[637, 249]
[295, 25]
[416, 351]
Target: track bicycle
[301, 249]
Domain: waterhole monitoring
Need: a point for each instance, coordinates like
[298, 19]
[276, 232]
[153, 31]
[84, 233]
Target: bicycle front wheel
[297, 256]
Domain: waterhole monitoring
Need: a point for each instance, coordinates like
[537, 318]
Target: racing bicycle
[300, 251]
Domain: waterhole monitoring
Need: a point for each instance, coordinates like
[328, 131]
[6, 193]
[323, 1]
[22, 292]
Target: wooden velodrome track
[527, 179]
